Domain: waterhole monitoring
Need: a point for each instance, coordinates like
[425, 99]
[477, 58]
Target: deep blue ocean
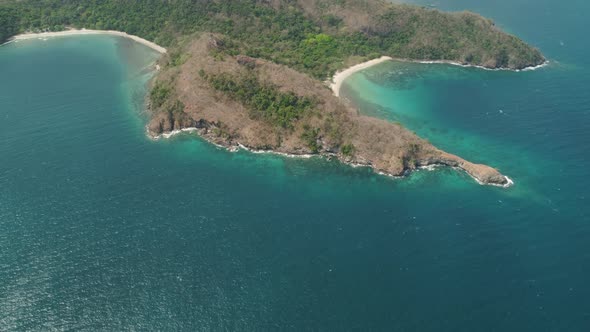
[103, 229]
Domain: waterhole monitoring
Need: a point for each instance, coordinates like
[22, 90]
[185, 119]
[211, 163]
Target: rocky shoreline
[330, 128]
[467, 65]
[484, 175]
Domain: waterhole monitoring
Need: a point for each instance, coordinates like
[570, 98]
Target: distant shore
[454, 63]
[74, 32]
[341, 76]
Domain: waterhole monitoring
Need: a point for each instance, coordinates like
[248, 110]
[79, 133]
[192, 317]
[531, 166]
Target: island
[264, 75]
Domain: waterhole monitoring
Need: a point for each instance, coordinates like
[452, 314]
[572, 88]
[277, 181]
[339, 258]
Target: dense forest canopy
[312, 36]
[9, 23]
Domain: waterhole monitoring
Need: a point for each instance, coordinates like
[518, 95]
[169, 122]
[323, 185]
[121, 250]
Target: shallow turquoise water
[103, 229]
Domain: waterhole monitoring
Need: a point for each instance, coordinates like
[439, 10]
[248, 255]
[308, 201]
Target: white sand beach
[74, 32]
[339, 77]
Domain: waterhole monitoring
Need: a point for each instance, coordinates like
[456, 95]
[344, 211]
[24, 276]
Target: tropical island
[252, 74]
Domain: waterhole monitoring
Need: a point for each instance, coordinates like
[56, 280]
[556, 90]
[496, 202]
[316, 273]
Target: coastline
[75, 32]
[7, 42]
[341, 76]
[238, 146]
[338, 79]
[458, 64]
[394, 164]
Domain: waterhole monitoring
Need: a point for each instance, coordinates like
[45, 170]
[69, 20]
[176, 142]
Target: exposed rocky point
[341, 132]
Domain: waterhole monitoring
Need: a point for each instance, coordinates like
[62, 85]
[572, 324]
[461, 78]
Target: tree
[8, 23]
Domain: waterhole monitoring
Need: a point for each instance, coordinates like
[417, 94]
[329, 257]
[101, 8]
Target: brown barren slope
[386, 147]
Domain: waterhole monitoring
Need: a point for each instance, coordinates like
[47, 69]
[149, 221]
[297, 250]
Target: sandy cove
[341, 76]
[74, 32]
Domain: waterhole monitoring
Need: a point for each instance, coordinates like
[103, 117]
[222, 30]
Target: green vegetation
[177, 58]
[347, 150]
[160, 94]
[412, 153]
[333, 128]
[310, 138]
[264, 101]
[221, 130]
[464, 37]
[309, 36]
[175, 107]
[8, 23]
[163, 99]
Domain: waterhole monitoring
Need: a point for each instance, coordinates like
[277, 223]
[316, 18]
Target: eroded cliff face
[338, 131]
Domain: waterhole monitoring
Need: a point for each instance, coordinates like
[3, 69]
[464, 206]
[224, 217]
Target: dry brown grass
[385, 146]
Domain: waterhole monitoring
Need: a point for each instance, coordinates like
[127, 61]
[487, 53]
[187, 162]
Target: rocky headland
[250, 73]
[215, 94]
